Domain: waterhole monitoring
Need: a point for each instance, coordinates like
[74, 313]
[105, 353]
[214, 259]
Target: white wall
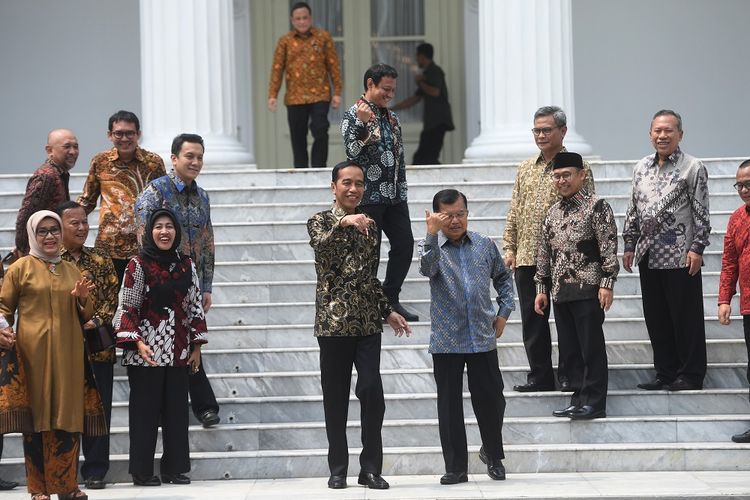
[634, 57]
[68, 63]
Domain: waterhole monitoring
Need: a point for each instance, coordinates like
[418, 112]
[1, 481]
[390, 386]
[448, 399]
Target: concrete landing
[609, 485]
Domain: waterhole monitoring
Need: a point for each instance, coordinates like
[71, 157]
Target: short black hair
[744, 164]
[124, 116]
[300, 5]
[426, 49]
[182, 139]
[446, 197]
[378, 71]
[66, 205]
[341, 165]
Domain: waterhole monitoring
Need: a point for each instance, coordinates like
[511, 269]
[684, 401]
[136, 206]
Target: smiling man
[372, 138]
[179, 192]
[118, 176]
[48, 185]
[577, 268]
[461, 266]
[666, 229]
[533, 194]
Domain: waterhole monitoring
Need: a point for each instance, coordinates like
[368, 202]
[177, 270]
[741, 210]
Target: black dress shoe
[337, 482]
[587, 413]
[654, 385]
[95, 483]
[683, 385]
[146, 480]
[454, 478]
[495, 467]
[175, 479]
[408, 316]
[7, 485]
[742, 438]
[209, 418]
[565, 412]
[533, 387]
[372, 481]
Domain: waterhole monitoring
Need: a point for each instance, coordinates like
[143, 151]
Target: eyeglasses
[739, 186]
[564, 176]
[539, 131]
[55, 231]
[461, 214]
[124, 133]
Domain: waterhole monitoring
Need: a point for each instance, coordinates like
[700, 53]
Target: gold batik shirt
[98, 267]
[349, 299]
[533, 194]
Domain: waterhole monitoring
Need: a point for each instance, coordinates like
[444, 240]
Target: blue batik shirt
[192, 207]
[461, 309]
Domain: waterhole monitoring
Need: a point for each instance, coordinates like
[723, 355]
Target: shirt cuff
[697, 248]
[607, 282]
[504, 312]
[541, 288]
[629, 246]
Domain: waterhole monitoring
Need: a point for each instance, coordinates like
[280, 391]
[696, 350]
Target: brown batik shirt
[119, 185]
[47, 188]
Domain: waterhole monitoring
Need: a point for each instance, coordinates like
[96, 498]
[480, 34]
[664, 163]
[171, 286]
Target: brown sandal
[73, 495]
[40, 496]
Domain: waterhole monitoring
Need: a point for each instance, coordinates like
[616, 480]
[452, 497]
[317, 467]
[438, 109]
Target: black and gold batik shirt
[349, 299]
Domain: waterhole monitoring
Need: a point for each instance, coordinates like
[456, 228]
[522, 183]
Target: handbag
[100, 338]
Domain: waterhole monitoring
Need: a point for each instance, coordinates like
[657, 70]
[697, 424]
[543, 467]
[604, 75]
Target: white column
[188, 81]
[525, 62]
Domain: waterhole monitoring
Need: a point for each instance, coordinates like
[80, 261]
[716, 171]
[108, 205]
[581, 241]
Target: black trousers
[158, 395]
[430, 145]
[745, 326]
[202, 397]
[673, 310]
[535, 329]
[394, 221]
[337, 355]
[581, 341]
[486, 388]
[316, 115]
[96, 448]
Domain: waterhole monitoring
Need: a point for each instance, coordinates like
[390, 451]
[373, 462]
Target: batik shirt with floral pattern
[191, 205]
[349, 299]
[377, 146]
[97, 266]
[118, 184]
[577, 249]
[47, 188]
[668, 211]
[168, 323]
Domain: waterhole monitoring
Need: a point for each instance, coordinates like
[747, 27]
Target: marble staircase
[263, 360]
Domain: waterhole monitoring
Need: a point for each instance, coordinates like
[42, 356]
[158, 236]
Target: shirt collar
[57, 167]
[673, 158]
[84, 251]
[547, 163]
[179, 184]
[443, 239]
[308, 34]
[114, 155]
[576, 200]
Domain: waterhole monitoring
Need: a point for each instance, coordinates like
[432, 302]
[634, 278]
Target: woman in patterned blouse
[161, 325]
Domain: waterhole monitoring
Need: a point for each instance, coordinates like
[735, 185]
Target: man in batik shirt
[533, 194]
[118, 176]
[96, 266]
[350, 307]
[179, 192]
[577, 266]
[666, 229]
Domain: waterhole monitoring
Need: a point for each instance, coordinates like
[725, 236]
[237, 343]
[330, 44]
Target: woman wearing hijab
[44, 395]
[160, 324]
